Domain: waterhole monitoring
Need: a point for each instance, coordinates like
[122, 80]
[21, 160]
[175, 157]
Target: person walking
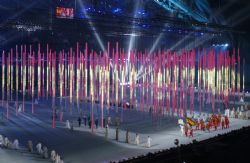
[30, 146]
[127, 136]
[186, 130]
[191, 132]
[72, 126]
[1, 141]
[39, 148]
[197, 125]
[227, 122]
[109, 120]
[223, 124]
[137, 139]
[45, 152]
[117, 134]
[16, 144]
[202, 125]
[90, 123]
[67, 124]
[6, 142]
[106, 132]
[79, 121]
[96, 123]
[53, 155]
[148, 144]
[182, 130]
[85, 120]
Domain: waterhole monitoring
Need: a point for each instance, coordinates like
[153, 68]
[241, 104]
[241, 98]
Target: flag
[190, 121]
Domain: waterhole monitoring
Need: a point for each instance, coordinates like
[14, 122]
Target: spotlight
[117, 11]
[226, 45]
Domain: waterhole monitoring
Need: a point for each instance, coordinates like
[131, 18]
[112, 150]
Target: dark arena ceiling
[207, 16]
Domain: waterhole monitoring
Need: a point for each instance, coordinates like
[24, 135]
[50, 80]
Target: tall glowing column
[3, 76]
[17, 77]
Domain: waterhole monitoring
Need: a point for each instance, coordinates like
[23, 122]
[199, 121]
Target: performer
[248, 114]
[109, 120]
[96, 123]
[186, 130]
[181, 124]
[232, 113]
[219, 118]
[72, 126]
[53, 155]
[202, 125]
[1, 141]
[223, 124]
[219, 110]
[208, 126]
[191, 132]
[85, 120]
[241, 99]
[30, 146]
[117, 134]
[45, 152]
[240, 115]
[67, 124]
[182, 130]
[226, 122]
[79, 121]
[127, 136]
[215, 127]
[227, 112]
[6, 142]
[16, 144]
[39, 148]
[104, 121]
[237, 113]
[137, 139]
[106, 132]
[148, 144]
[215, 123]
[218, 121]
[197, 125]
[20, 108]
[89, 123]
[58, 158]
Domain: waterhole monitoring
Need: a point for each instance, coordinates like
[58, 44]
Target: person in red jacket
[208, 126]
[215, 127]
[197, 125]
[202, 125]
[191, 132]
[186, 130]
[215, 123]
[226, 122]
[223, 124]
[219, 119]
[218, 122]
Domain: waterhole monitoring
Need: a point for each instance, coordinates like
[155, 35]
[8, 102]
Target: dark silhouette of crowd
[229, 147]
